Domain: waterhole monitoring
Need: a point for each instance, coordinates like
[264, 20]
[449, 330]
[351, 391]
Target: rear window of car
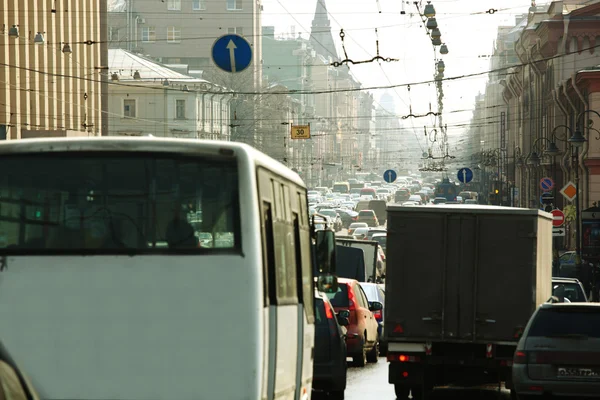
[366, 213]
[572, 291]
[565, 321]
[370, 291]
[340, 298]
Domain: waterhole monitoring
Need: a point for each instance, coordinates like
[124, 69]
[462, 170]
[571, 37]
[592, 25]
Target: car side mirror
[375, 306]
[343, 321]
[344, 313]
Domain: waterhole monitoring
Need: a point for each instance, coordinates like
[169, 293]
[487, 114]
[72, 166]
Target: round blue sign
[465, 175]
[390, 176]
[232, 53]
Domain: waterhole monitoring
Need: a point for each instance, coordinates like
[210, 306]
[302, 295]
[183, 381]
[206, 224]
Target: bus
[138, 268]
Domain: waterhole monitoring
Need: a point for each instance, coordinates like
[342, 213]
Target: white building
[147, 98]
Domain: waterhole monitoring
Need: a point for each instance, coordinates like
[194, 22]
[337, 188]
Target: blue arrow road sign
[546, 184]
[465, 175]
[232, 53]
[390, 176]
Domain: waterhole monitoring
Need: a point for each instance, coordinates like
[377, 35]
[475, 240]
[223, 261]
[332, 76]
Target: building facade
[146, 98]
[53, 81]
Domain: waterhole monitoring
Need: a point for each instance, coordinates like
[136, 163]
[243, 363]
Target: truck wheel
[373, 354]
[401, 391]
[417, 393]
[336, 395]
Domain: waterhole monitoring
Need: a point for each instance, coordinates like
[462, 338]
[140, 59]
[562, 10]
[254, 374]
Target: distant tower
[387, 103]
[320, 34]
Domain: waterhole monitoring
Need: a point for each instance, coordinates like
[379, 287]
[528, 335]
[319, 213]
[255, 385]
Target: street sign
[546, 184]
[558, 218]
[465, 175]
[232, 53]
[558, 232]
[546, 198]
[569, 191]
[300, 132]
[390, 176]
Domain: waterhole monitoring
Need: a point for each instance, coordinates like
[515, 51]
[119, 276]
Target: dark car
[374, 292]
[362, 339]
[347, 216]
[401, 195]
[558, 355]
[329, 366]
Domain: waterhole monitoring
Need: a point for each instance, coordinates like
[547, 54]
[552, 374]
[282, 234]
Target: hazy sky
[468, 31]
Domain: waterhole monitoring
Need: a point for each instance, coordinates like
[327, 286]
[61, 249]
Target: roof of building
[125, 64]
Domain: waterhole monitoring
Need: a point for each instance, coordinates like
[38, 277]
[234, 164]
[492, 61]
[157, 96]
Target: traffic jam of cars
[554, 344]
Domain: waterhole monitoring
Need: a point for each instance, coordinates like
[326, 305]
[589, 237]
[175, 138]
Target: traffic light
[496, 191]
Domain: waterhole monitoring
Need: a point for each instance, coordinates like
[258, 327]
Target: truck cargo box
[465, 273]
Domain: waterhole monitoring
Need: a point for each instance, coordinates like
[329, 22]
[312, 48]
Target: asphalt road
[371, 383]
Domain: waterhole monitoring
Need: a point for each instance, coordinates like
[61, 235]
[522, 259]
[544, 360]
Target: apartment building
[53, 79]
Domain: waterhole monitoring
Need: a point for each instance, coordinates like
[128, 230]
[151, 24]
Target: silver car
[559, 353]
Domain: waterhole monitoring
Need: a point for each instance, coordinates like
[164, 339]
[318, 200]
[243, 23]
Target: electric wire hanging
[350, 61]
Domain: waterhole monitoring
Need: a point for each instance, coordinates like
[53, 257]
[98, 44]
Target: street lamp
[429, 11]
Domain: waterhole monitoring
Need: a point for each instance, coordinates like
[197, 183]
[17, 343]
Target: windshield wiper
[570, 336]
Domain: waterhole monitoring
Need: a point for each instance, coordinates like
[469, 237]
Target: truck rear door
[470, 279]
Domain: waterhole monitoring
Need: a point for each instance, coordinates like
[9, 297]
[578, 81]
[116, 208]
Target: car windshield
[56, 203]
[339, 298]
[565, 321]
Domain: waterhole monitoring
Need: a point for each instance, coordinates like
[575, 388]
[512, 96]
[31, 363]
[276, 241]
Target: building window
[148, 34]
[113, 33]
[239, 31]
[180, 109]
[173, 34]
[198, 5]
[234, 4]
[174, 5]
[129, 108]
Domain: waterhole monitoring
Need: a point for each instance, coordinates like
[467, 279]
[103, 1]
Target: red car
[362, 340]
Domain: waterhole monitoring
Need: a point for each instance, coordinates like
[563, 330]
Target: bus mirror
[327, 283]
[325, 247]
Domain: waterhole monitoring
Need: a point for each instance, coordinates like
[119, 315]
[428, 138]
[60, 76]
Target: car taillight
[351, 299]
[328, 311]
[378, 315]
[520, 357]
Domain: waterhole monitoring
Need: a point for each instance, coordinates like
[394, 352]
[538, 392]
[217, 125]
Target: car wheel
[402, 391]
[336, 395]
[360, 359]
[373, 354]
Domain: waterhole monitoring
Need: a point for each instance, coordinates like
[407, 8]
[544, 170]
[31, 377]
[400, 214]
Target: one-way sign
[558, 232]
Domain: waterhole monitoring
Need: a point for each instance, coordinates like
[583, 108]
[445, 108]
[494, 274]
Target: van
[379, 206]
[362, 205]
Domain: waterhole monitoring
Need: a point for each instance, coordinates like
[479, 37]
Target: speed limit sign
[300, 132]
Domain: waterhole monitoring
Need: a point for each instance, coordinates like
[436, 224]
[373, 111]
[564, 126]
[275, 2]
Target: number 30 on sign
[300, 132]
